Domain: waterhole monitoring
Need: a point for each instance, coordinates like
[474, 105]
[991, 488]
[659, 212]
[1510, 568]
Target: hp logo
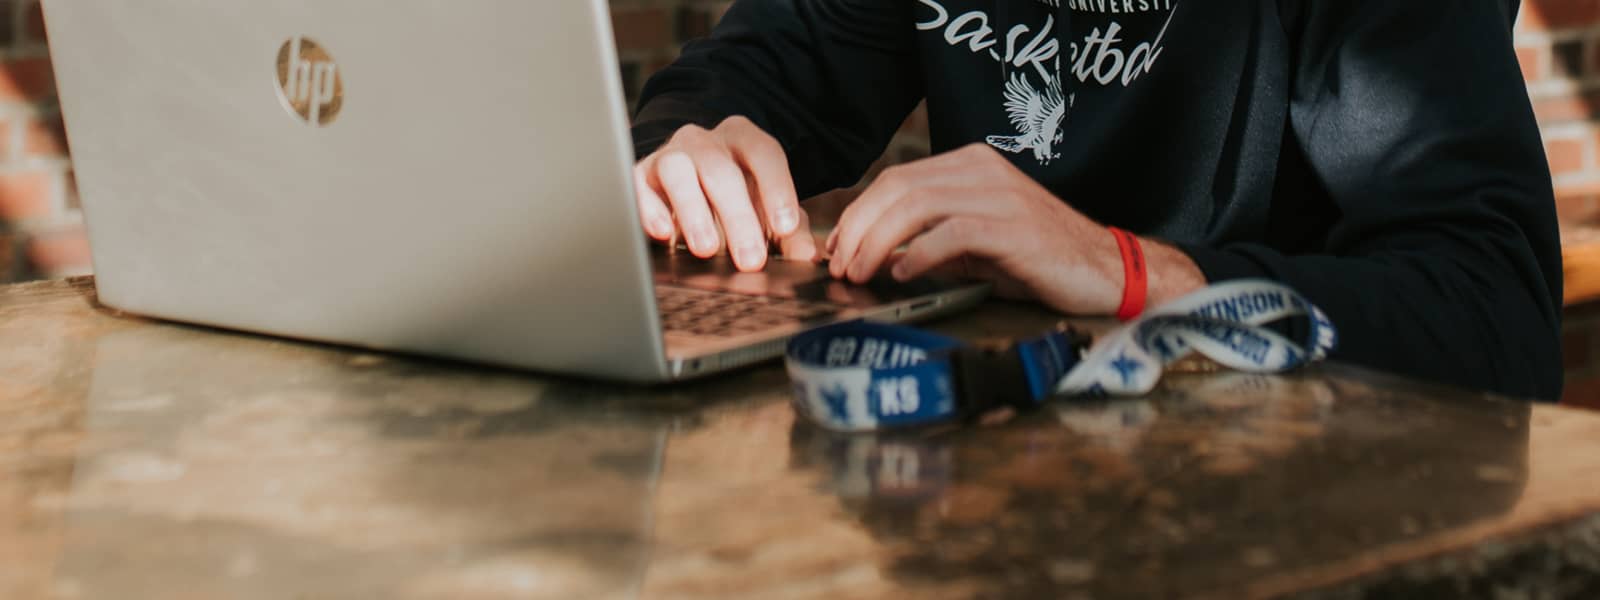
[309, 83]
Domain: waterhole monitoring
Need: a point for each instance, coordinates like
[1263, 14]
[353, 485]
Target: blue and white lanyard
[863, 376]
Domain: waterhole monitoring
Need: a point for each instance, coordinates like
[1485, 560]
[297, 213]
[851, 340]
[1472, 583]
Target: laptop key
[708, 314]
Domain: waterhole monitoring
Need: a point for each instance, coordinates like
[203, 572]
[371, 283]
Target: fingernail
[787, 220]
[701, 239]
[749, 258]
[899, 271]
[660, 224]
[749, 255]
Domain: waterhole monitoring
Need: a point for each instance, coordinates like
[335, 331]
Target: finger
[863, 213]
[800, 245]
[893, 184]
[678, 176]
[908, 218]
[950, 240]
[724, 184]
[653, 211]
[764, 159]
[794, 246]
[894, 259]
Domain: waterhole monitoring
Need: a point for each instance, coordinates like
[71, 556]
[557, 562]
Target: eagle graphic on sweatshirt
[1037, 115]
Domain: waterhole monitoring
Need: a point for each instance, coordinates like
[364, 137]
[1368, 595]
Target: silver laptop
[433, 177]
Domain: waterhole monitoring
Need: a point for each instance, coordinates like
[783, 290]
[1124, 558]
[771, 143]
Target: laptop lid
[446, 178]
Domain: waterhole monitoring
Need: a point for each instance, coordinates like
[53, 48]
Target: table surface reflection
[143, 459]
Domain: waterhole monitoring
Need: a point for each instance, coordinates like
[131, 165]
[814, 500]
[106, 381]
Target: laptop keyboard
[701, 313]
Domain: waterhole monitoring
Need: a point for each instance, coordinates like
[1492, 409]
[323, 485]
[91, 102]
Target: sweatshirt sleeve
[831, 80]
[1445, 262]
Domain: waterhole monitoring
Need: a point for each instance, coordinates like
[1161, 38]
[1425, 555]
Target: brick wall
[1558, 43]
[41, 234]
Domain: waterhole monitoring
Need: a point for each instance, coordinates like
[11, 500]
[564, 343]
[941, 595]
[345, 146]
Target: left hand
[972, 208]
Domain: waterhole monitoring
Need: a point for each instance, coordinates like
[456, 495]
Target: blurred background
[1558, 45]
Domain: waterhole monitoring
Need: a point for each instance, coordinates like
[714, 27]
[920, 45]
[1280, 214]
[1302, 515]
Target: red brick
[1533, 58]
[26, 194]
[27, 79]
[7, 126]
[1565, 155]
[1560, 108]
[60, 252]
[643, 29]
[1572, 190]
[1546, 15]
[1578, 210]
[1582, 393]
[1567, 107]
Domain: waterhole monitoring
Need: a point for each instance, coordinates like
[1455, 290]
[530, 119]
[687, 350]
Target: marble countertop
[141, 459]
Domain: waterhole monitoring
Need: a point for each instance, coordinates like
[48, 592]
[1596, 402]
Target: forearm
[1486, 323]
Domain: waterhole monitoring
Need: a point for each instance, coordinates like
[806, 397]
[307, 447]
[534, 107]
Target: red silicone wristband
[1136, 279]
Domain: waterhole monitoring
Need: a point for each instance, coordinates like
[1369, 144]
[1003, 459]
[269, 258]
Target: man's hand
[971, 211]
[735, 174]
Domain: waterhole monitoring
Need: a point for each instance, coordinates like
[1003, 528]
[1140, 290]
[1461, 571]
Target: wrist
[1172, 273]
[1168, 273]
[1135, 275]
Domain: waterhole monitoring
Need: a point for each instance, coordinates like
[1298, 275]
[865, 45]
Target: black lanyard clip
[989, 377]
[992, 375]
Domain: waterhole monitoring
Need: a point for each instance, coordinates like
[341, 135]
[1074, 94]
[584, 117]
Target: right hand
[739, 174]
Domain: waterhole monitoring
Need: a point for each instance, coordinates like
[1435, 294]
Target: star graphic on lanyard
[1126, 367]
[1293, 357]
[838, 401]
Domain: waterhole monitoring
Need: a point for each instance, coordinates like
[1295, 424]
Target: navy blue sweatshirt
[1380, 156]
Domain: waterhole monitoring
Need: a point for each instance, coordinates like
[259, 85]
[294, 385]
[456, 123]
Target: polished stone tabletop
[147, 460]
